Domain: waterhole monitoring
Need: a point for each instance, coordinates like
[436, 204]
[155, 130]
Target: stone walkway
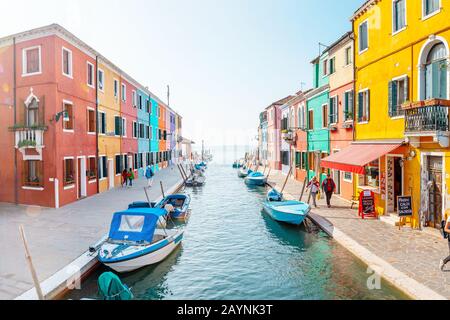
[414, 253]
[58, 236]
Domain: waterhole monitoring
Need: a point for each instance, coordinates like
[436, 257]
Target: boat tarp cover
[135, 224]
[111, 288]
[256, 175]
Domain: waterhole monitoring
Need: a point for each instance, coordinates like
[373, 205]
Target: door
[398, 180]
[111, 173]
[434, 187]
[82, 178]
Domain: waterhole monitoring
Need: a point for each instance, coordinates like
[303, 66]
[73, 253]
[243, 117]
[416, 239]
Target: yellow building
[401, 93]
[109, 145]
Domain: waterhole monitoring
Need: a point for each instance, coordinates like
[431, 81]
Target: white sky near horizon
[225, 61]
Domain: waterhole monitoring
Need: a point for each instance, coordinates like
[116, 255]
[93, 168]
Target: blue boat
[135, 241]
[291, 212]
[177, 205]
[236, 165]
[244, 172]
[256, 179]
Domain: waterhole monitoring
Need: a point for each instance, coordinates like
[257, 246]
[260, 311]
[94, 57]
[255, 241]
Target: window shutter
[435, 78]
[117, 126]
[406, 92]
[368, 105]
[360, 106]
[336, 112]
[443, 79]
[392, 98]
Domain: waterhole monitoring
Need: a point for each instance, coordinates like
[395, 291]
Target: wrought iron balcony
[428, 118]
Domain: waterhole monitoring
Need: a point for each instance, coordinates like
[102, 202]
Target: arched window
[435, 73]
[32, 110]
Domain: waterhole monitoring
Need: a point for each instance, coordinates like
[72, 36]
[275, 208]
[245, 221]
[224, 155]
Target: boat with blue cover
[135, 241]
[177, 205]
[256, 179]
[244, 172]
[291, 212]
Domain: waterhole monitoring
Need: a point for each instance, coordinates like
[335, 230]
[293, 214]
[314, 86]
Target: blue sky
[224, 60]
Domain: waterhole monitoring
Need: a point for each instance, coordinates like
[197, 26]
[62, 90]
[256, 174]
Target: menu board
[367, 203]
[404, 206]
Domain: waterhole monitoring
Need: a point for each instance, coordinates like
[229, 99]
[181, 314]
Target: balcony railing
[426, 117]
[29, 138]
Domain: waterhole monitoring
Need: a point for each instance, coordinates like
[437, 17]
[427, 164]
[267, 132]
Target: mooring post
[285, 181]
[162, 189]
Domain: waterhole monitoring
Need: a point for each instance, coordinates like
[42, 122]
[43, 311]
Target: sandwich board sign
[367, 204]
[404, 209]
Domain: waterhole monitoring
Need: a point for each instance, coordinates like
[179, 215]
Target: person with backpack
[446, 233]
[328, 187]
[130, 176]
[149, 175]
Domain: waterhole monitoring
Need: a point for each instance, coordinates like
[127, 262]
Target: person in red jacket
[328, 187]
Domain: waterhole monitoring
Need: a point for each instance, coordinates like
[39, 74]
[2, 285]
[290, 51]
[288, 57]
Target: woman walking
[314, 185]
[131, 177]
[124, 177]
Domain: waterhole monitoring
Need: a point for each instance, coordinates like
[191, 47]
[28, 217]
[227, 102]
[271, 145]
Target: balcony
[30, 141]
[289, 136]
[428, 118]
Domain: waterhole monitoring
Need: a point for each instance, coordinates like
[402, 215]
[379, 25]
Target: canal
[232, 250]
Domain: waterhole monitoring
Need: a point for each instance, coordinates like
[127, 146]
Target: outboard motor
[274, 196]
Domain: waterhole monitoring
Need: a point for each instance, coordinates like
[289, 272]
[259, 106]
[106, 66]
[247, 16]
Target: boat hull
[242, 174]
[278, 213]
[146, 259]
[256, 181]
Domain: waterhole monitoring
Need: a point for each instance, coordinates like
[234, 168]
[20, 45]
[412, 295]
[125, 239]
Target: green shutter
[117, 126]
[443, 79]
[360, 106]
[392, 98]
[435, 73]
[368, 105]
[336, 112]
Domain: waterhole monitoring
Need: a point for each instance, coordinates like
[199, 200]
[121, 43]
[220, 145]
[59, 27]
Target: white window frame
[399, 78]
[64, 102]
[116, 89]
[351, 106]
[70, 186]
[427, 16]
[336, 98]
[135, 130]
[123, 91]
[102, 89]
[25, 62]
[328, 114]
[91, 132]
[394, 32]
[357, 97]
[347, 180]
[99, 167]
[93, 75]
[124, 127]
[325, 67]
[359, 38]
[70, 74]
[348, 61]
[134, 98]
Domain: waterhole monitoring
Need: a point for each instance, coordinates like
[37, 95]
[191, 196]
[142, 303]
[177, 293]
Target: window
[90, 74]
[102, 168]
[325, 119]
[147, 106]
[372, 177]
[32, 112]
[91, 169]
[310, 120]
[135, 157]
[67, 62]
[31, 61]
[147, 132]
[141, 131]
[332, 65]
[436, 70]
[101, 80]
[334, 110]
[119, 167]
[430, 7]
[124, 127]
[301, 117]
[284, 124]
[33, 174]
[399, 15]
[140, 102]
[119, 126]
[165, 135]
[348, 177]
[150, 133]
[124, 92]
[348, 105]
[363, 37]
[116, 88]
[148, 158]
[125, 162]
[325, 67]
[141, 160]
[364, 106]
[348, 56]
[135, 129]
[68, 116]
[69, 175]
[134, 98]
[91, 121]
[101, 122]
[159, 112]
[398, 94]
[159, 134]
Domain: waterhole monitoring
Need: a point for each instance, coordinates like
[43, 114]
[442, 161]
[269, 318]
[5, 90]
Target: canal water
[232, 250]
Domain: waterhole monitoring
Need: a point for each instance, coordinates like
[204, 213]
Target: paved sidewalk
[414, 253]
[59, 236]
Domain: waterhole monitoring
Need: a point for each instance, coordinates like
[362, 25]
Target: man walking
[131, 177]
[447, 234]
[149, 175]
[328, 187]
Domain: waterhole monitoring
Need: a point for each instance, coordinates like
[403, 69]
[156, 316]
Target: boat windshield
[131, 223]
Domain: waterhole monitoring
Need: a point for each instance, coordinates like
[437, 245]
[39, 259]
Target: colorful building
[154, 132]
[162, 135]
[67, 118]
[143, 130]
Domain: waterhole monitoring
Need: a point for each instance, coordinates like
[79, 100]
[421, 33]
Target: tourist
[314, 185]
[131, 177]
[124, 177]
[149, 175]
[447, 234]
[328, 187]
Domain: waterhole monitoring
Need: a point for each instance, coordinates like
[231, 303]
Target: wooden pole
[303, 188]
[162, 189]
[285, 181]
[37, 285]
[146, 195]
[181, 172]
[265, 168]
[268, 174]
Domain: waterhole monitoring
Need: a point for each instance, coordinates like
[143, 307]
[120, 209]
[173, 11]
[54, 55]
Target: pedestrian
[314, 185]
[124, 177]
[446, 227]
[131, 177]
[149, 175]
[328, 187]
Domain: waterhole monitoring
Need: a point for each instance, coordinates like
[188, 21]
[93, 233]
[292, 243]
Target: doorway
[337, 176]
[111, 173]
[81, 178]
[434, 187]
[398, 180]
[394, 181]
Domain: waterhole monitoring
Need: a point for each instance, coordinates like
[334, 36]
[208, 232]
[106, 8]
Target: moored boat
[177, 205]
[244, 172]
[135, 241]
[256, 179]
[291, 212]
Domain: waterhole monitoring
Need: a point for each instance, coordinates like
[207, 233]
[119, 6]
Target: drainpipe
[16, 182]
[96, 122]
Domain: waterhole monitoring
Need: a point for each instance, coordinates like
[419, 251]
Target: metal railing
[429, 118]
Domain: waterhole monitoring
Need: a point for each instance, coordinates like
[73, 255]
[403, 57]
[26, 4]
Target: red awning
[355, 157]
